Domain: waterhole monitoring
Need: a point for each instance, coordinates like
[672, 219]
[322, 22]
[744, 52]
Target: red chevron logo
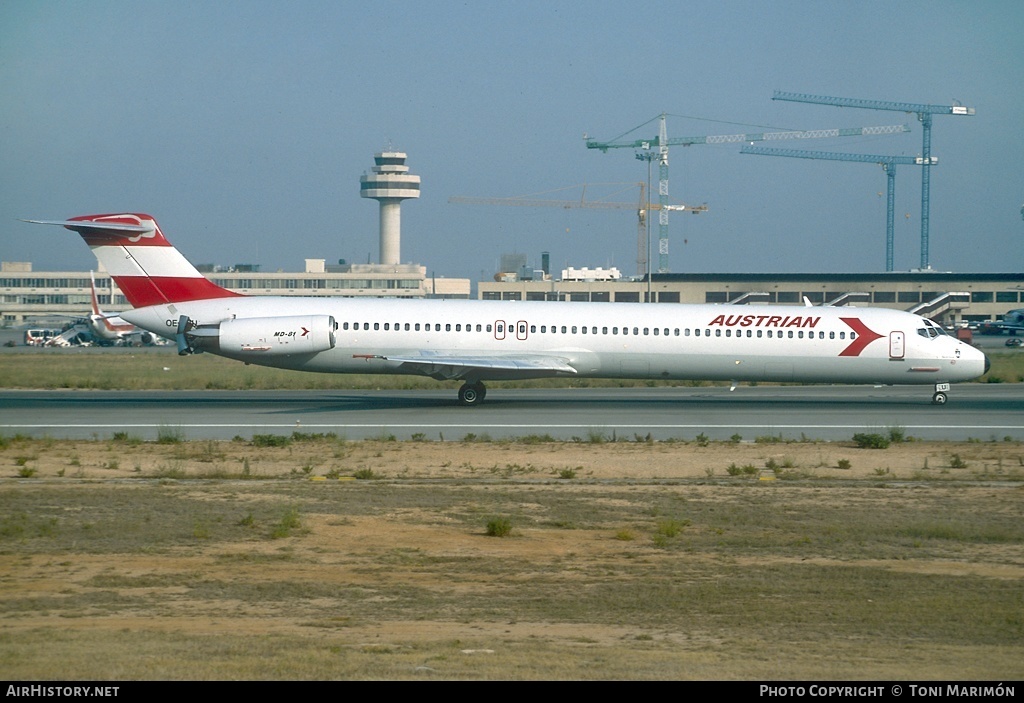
[865, 336]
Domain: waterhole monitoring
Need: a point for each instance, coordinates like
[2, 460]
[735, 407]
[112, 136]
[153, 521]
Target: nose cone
[972, 362]
[979, 361]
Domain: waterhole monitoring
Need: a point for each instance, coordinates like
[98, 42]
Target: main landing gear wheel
[472, 393]
[939, 398]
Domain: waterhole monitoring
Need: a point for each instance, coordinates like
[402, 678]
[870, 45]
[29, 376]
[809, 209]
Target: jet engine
[260, 336]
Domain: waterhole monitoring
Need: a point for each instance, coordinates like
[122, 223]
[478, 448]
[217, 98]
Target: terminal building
[27, 295]
[947, 298]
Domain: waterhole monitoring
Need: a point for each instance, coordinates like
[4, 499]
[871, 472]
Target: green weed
[866, 440]
[670, 528]
[288, 523]
[499, 527]
[270, 440]
[169, 435]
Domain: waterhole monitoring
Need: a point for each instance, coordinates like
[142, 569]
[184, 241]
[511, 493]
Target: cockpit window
[930, 330]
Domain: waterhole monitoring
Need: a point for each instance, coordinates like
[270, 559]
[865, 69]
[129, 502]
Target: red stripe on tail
[142, 292]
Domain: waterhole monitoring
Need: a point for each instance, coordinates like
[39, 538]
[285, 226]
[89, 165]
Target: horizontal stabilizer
[78, 225]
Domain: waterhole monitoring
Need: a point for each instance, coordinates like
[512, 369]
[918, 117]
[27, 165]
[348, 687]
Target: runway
[974, 411]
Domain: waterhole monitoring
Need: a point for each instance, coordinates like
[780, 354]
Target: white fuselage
[110, 327]
[608, 340]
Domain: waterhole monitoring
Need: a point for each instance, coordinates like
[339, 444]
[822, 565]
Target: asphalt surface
[974, 411]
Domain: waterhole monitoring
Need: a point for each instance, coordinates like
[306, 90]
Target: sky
[243, 128]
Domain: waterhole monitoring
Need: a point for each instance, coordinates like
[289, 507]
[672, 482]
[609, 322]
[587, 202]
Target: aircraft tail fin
[94, 299]
[145, 266]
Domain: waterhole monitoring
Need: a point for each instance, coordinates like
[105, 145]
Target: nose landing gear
[939, 398]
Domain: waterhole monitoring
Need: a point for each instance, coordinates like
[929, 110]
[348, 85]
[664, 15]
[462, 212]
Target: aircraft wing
[506, 366]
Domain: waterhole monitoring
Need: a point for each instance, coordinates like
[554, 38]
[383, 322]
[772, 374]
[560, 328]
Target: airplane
[112, 328]
[1012, 323]
[476, 341]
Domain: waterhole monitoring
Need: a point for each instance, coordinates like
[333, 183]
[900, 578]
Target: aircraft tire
[471, 394]
[939, 398]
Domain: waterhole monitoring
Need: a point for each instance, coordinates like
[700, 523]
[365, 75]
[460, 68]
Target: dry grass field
[315, 558]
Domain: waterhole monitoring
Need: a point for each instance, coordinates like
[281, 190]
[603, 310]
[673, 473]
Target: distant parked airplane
[1012, 323]
[112, 328]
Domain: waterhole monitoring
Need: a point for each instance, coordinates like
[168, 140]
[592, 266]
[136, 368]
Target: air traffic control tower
[390, 184]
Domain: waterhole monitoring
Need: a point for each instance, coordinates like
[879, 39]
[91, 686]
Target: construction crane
[924, 115]
[888, 164]
[662, 142]
[641, 207]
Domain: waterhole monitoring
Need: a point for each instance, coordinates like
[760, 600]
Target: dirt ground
[633, 460]
[52, 598]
